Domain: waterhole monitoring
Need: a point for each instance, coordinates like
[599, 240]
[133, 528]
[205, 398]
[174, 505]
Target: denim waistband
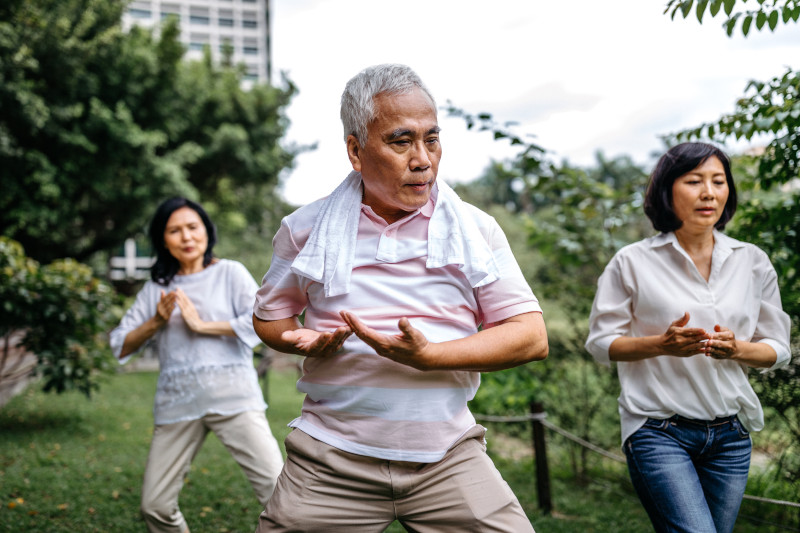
[705, 423]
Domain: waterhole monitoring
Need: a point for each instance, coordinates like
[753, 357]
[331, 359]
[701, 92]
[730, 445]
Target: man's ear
[354, 152]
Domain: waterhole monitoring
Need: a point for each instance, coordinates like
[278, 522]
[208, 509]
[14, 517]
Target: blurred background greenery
[98, 125]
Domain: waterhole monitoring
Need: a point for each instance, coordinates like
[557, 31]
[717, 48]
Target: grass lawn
[68, 464]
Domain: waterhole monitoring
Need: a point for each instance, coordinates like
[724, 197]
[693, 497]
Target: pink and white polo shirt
[358, 401]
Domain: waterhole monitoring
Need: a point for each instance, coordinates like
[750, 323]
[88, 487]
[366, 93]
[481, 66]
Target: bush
[64, 312]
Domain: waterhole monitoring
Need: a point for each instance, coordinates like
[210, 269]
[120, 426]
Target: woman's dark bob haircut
[166, 266]
[678, 161]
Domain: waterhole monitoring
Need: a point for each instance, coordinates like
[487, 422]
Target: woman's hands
[684, 342]
[722, 344]
[188, 311]
[165, 307]
[190, 315]
[680, 341]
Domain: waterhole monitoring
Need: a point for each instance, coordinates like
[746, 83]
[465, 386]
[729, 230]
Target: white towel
[453, 239]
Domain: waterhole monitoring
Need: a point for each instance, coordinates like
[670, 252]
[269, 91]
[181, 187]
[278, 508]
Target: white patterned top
[201, 374]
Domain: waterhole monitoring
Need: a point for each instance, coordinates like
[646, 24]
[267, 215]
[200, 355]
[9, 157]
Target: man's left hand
[410, 347]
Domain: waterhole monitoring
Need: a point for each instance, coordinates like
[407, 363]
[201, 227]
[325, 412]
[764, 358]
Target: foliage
[64, 313]
[575, 219]
[766, 13]
[769, 213]
[99, 125]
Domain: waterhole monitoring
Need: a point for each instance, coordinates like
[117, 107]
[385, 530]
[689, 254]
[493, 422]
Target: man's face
[400, 159]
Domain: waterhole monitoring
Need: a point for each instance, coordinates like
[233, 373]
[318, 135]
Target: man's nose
[420, 159]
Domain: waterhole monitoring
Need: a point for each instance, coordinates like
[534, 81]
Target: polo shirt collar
[426, 210]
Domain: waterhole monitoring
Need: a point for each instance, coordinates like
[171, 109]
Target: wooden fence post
[540, 456]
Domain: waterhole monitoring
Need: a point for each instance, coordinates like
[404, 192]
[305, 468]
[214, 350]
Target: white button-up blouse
[650, 284]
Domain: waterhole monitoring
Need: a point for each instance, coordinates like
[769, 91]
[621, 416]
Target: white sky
[580, 75]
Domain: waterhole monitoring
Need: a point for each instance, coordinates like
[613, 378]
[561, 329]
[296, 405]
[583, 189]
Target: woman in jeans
[684, 315]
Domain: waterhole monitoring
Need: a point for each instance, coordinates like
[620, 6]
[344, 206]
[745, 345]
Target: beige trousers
[247, 437]
[323, 489]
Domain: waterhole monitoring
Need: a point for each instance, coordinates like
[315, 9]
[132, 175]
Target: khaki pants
[246, 436]
[323, 489]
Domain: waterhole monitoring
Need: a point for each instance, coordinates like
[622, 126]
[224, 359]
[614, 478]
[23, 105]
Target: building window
[139, 13]
[199, 15]
[249, 19]
[198, 41]
[226, 22]
[170, 10]
[250, 46]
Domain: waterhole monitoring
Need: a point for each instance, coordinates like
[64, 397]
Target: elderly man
[408, 293]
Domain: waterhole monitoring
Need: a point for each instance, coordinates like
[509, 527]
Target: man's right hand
[314, 343]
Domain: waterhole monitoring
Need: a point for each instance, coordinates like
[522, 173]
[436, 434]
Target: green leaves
[65, 313]
[768, 110]
[99, 126]
[768, 13]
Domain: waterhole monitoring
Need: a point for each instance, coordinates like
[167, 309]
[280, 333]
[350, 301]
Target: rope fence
[538, 419]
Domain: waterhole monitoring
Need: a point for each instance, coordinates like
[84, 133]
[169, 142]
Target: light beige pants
[323, 489]
[247, 437]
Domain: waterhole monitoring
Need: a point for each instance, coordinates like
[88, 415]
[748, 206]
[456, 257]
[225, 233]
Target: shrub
[64, 313]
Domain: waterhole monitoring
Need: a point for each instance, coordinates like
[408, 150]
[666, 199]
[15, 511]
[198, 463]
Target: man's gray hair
[358, 106]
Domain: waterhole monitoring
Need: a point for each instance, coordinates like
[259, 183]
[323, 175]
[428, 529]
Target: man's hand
[410, 347]
[312, 343]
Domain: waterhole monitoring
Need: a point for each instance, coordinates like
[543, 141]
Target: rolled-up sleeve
[142, 309]
[610, 317]
[774, 325]
[243, 290]
[282, 294]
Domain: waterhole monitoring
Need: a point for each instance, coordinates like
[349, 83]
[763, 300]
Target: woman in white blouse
[684, 315]
[197, 313]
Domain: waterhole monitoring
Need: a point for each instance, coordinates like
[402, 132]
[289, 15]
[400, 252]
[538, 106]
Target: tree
[769, 215]
[575, 219]
[769, 13]
[98, 126]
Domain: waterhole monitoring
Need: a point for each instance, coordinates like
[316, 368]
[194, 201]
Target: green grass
[68, 464]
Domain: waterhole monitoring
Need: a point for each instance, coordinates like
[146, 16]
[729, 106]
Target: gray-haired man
[408, 293]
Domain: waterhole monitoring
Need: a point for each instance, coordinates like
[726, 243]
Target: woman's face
[186, 239]
[699, 196]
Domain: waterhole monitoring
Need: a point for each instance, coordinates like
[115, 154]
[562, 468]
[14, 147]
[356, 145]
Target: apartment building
[241, 24]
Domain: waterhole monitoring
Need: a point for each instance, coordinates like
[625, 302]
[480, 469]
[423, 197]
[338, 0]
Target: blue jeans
[690, 474]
